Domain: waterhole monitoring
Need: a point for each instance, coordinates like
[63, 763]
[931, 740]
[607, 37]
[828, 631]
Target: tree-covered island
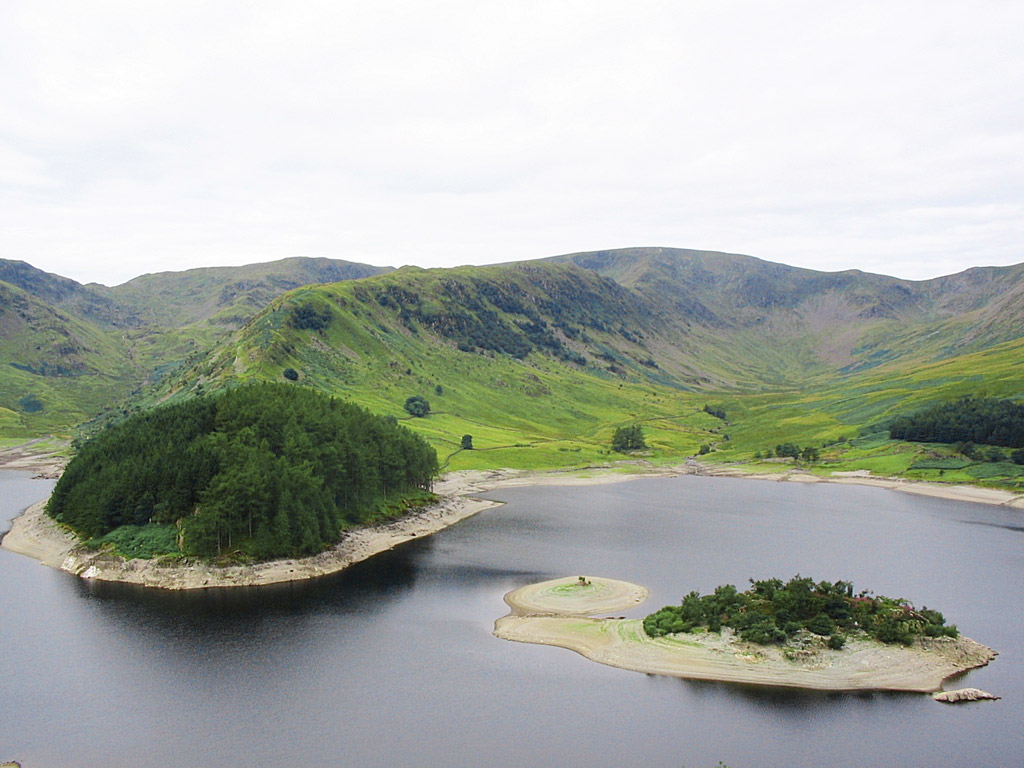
[798, 634]
[259, 472]
[773, 612]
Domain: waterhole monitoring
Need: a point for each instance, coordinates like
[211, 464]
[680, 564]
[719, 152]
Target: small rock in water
[963, 694]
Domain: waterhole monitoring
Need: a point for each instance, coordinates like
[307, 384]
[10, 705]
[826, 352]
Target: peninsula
[561, 612]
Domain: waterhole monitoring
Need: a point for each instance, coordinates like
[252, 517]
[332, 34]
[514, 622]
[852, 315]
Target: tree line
[985, 420]
[772, 611]
[269, 470]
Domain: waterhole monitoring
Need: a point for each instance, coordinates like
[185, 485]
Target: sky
[143, 137]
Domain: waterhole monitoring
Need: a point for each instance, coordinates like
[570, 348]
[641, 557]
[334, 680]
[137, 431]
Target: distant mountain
[225, 296]
[89, 302]
[849, 320]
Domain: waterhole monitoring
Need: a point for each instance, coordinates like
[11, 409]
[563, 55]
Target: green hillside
[538, 364]
[542, 361]
[55, 369]
[69, 352]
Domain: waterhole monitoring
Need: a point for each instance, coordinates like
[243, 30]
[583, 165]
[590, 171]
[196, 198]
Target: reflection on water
[392, 662]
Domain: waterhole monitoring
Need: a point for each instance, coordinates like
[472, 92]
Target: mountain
[225, 296]
[566, 349]
[539, 361]
[848, 320]
[70, 351]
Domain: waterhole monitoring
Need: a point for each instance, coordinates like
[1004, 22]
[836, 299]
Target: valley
[538, 361]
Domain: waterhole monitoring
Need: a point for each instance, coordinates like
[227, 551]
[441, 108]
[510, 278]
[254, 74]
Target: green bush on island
[265, 470]
[771, 612]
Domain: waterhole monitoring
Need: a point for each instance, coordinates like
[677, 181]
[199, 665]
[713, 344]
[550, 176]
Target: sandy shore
[37, 536]
[971, 493]
[553, 613]
[29, 457]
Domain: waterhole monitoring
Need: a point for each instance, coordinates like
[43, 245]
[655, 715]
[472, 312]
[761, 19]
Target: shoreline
[37, 536]
[560, 612]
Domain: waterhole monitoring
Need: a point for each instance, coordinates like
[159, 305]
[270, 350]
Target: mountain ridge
[552, 353]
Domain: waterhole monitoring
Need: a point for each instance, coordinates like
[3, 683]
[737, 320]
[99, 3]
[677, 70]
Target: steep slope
[539, 363]
[838, 321]
[69, 351]
[56, 369]
[86, 302]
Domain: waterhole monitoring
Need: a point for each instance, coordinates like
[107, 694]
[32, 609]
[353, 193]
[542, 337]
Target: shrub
[291, 374]
[310, 317]
[467, 442]
[821, 624]
[417, 406]
[836, 642]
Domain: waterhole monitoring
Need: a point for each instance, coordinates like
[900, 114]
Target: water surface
[393, 662]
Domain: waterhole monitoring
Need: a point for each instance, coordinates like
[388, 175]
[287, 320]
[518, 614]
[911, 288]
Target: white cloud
[139, 137]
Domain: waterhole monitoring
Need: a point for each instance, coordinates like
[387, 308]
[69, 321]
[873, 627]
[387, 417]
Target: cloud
[141, 137]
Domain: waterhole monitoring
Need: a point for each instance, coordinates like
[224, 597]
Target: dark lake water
[392, 663]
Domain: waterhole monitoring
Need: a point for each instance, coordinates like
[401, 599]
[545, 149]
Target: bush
[704, 450]
[467, 442]
[809, 453]
[291, 374]
[629, 439]
[310, 317]
[821, 625]
[787, 450]
[1017, 457]
[417, 406]
[836, 642]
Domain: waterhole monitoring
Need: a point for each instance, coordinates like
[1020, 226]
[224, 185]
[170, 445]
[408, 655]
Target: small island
[799, 634]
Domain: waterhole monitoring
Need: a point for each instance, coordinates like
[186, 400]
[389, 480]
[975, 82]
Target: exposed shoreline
[559, 613]
[37, 536]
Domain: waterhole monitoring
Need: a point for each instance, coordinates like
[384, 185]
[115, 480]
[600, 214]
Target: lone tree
[291, 374]
[417, 406]
[629, 439]
[467, 442]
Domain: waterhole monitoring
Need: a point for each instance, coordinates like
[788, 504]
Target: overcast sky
[145, 136]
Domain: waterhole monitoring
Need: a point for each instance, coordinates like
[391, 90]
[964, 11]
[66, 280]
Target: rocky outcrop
[963, 694]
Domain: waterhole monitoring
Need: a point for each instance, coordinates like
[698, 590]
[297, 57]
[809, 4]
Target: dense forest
[987, 421]
[265, 470]
[772, 612]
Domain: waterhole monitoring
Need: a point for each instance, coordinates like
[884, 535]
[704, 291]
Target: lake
[393, 662]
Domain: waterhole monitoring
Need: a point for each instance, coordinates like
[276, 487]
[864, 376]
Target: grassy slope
[71, 366]
[83, 350]
[792, 355]
[530, 413]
